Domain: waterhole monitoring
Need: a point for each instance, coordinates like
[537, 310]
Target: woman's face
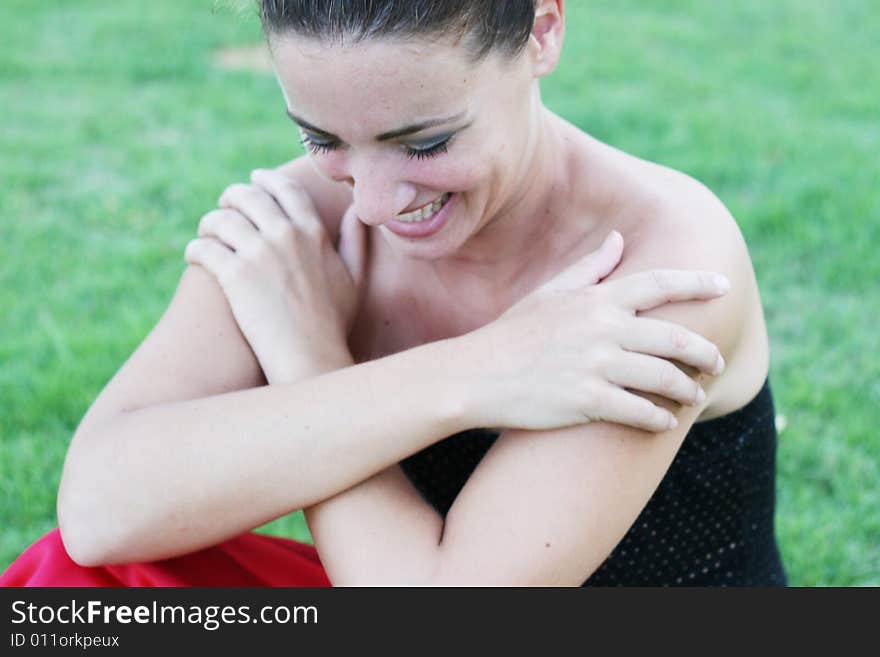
[434, 146]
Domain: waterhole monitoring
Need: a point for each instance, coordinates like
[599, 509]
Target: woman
[476, 323]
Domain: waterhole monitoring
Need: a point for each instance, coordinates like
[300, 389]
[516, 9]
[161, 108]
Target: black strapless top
[709, 523]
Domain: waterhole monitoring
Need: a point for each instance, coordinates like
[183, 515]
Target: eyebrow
[385, 136]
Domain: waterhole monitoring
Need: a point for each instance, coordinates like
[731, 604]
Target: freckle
[387, 322]
[546, 545]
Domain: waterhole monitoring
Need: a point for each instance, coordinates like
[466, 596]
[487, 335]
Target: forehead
[377, 84]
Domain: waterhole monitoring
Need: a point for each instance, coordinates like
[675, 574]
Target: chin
[426, 250]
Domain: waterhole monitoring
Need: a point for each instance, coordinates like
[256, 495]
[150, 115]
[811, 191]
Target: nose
[379, 194]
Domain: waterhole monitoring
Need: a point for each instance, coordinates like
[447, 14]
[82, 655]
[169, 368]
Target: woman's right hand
[571, 351]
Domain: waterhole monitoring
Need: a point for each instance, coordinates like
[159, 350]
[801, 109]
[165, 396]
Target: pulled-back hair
[484, 25]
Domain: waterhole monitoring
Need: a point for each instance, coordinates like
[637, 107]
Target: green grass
[118, 133]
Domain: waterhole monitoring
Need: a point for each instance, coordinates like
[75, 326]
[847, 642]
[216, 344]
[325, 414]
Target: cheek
[447, 173]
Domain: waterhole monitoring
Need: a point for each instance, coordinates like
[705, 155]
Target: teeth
[425, 213]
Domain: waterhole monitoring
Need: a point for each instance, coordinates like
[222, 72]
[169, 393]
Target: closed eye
[318, 146]
[423, 151]
[420, 151]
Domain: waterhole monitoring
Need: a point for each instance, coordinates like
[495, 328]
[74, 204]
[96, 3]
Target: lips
[425, 212]
[427, 226]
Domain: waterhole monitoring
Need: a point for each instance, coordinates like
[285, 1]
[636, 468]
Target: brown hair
[486, 25]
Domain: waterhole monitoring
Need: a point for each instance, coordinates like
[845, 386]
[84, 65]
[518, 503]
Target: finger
[650, 289]
[210, 254]
[602, 262]
[232, 228]
[655, 375]
[664, 339]
[257, 205]
[291, 197]
[593, 267]
[627, 408]
[353, 246]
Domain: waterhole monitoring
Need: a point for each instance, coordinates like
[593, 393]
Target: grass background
[118, 131]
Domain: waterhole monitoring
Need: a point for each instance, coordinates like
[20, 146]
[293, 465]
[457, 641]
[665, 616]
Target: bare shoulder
[668, 218]
[667, 213]
[676, 222]
[196, 349]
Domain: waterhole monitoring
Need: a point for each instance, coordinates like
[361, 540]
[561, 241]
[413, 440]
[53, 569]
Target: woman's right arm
[182, 451]
[168, 455]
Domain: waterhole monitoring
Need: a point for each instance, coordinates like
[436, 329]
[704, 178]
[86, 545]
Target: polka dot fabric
[709, 523]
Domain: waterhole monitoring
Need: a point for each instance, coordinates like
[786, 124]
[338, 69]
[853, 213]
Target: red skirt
[247, 560]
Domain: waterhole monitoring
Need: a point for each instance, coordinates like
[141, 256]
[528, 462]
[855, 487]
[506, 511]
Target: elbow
[81, 550]
[80, 530]
[99, 521]
[90, 536]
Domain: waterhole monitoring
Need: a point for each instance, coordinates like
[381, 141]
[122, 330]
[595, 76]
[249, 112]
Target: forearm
[169, 479]
[378, 533]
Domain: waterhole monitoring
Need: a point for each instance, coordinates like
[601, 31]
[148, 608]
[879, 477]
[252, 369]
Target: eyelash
[319, 148]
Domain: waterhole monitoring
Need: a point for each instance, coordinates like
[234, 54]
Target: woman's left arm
[542, 507]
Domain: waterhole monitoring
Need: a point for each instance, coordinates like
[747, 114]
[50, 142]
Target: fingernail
[719, 365]
[722, 283]
[701, 395]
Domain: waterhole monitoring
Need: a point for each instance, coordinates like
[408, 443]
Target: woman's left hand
[293, 295]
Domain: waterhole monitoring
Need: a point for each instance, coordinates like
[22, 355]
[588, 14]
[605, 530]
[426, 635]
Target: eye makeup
[428, 149]
[420, 151]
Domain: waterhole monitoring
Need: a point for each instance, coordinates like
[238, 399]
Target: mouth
[424, 213]
[424, 221]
